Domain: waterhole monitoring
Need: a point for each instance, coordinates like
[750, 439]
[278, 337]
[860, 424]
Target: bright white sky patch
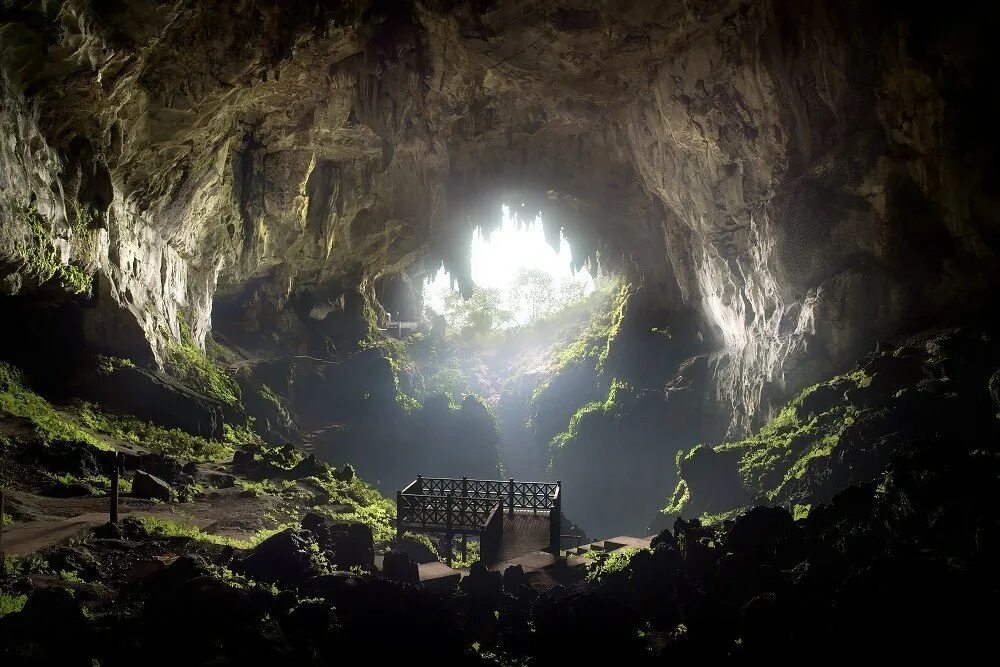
[497, 260]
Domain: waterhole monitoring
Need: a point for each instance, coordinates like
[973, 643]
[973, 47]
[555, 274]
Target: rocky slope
[802, 179]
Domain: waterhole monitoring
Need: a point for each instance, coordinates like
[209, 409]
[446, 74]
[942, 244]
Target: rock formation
[804, 178]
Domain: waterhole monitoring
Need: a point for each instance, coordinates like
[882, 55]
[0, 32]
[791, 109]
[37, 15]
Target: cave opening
[520, 274]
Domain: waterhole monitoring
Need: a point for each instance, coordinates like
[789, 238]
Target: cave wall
[808, 176]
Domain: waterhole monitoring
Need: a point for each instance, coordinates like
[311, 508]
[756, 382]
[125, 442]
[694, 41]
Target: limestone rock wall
[805, 176]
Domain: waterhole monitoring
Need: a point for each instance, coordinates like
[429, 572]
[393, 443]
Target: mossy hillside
[808, 428]
[189, 365]
[170, 441]
[51, 425]
[83, 423]
[611, 407]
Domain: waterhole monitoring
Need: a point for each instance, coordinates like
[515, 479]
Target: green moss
[185, 362]
[50, 424]
[108, 365]
[800, 512]
[610, 406]
[161, 528]
[592, 346]
[362, 503]
[11, 604]
[39, 256]
[172, 441]
[784, 449]
[267, 394]
[604, 566]
[471, 553]
[96, 485]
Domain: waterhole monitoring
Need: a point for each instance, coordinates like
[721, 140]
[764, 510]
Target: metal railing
[474, 506]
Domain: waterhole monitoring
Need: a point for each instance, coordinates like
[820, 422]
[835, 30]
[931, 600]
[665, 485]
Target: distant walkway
[24, 539]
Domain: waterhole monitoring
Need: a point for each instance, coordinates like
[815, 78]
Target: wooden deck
[523, 533]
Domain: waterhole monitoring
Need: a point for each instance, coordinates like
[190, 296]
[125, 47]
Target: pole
[465, 553]
[510, 497]
[555, 521]
[3, 558]
[115, 473]
[399, 515]
[448, 534]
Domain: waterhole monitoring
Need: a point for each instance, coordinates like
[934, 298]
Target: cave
[497, 332]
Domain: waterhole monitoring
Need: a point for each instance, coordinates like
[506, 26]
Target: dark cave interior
[772, 417]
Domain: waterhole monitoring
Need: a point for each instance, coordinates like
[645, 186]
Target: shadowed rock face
[804, 177]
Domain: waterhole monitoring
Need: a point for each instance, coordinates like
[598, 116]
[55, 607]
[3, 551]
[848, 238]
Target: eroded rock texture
[804, 177]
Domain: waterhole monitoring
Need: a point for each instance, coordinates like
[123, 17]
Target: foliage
[185, 362]
[50, 424]
[603, 566]
[267, 394]
[39, 255]
[172, 441]
[591, 347]
[163, 528]
[108, 365]
[783, 449]
[96, 485]
[471, 553]
[610, 406]
[363, 503]
[11, 604]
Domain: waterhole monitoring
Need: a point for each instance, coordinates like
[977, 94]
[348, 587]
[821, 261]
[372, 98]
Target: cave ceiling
[768, 165]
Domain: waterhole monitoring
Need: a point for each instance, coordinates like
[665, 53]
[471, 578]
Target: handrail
[461, 506]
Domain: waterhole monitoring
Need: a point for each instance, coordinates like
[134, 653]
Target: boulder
[399, 567]
[515, 581]
[416, 550]
[285, 558]
[482, 582]
[760, 528]
[346, 544]
[151, 487]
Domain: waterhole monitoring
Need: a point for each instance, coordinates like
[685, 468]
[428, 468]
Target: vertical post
[115, 475]
[465, 487]
[465, 552]
[399, 515]
[420, 483]
[555, 520]
[448, 521]
[510, 497]
[3, 558]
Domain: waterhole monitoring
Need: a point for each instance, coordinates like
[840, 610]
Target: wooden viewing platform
[509, 517]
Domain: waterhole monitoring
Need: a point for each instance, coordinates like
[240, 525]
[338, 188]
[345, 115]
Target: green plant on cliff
[809, 427]
[188, 364]
[609, 407]
[40, 257]
[51, 425]
[170, 441]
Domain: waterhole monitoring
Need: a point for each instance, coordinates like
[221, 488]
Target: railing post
[510, 497]
[555, 521]
[399, 515]
[465, 487]
[448, 523]
[420, 483]
[3, 558]
[115, 474]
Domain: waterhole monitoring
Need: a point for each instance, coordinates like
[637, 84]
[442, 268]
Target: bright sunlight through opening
[519, 280]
